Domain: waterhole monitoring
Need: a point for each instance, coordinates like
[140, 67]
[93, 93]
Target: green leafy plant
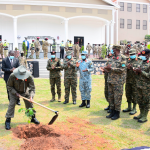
[147, 38]
[82, 49]
[24, 48]
[124, 41]
[28, 112]
[104, 49]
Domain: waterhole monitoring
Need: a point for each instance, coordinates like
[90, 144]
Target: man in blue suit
[27, 45]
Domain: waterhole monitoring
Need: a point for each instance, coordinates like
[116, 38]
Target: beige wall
[62, 12]
[98, 2]
[133, 34]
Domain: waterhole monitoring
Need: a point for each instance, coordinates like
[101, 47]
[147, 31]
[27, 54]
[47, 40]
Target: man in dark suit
[9, 64]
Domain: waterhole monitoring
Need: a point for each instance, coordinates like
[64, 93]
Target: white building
[92, 20]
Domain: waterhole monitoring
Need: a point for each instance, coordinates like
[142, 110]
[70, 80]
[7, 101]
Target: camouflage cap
[118, 47]
[132, 51]
[68, 53]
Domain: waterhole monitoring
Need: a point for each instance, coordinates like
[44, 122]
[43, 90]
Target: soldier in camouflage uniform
[45, 47]
[70, 77]
[22, 60]
[32, 48]
[1, 48]
[37, 47]
[142, 78]
[77, 51]
[89, 48]
[131, 90]
[116, 78]
[54, 66]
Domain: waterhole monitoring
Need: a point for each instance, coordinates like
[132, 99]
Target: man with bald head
[9, 64]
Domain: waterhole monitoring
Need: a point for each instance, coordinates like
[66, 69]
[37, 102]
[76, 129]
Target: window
[129, 24]
[121, 23]
[137, 24]
[129, 7]
[137, 7]
[121, 6]
[144, 8]
[144, 24]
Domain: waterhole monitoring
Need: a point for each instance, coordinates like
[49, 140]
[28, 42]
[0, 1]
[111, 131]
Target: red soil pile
[75, 134]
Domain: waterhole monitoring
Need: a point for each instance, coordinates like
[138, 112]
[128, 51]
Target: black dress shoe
[88, 104]
[7, 124]
[74, 102]
[18, 102]
[107, 108]
[34, 120]
[83, 103]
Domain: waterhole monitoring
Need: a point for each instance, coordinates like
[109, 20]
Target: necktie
[11, 62]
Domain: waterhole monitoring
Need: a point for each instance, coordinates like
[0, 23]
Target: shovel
[56, 112]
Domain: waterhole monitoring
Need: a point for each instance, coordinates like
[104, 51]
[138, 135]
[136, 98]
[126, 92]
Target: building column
[66, 30]
[112, 33]
[117, 27]
[15, 43]
[107, 34]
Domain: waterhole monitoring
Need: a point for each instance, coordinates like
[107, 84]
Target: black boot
[65, 102]
[83, 103]
[7, 123]
[74, 102]
[111, 113]
[88, 104]
[116, 115]
[18, 102]
[34, 120]
[107, 108]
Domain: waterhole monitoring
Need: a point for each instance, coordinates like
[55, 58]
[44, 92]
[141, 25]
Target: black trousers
[62, 54]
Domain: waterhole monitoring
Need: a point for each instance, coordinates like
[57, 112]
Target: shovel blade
[53, 120]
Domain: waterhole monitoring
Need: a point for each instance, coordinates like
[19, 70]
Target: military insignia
[117, 58]
[123, 65]
[143, 52]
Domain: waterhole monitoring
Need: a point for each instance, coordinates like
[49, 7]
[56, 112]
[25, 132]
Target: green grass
[122, 133]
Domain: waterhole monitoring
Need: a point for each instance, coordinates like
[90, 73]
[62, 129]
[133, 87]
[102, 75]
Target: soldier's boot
[128, 109]
[34, 120]
[111, 114]
[7, 123]
[53, 98]
[18, 102]
[116, 115]
[133, 110]
[66, 101]
[83, 103]
[139, 116]
[109, 111]
[107, 108]
[59, 97]
[88, 104]
[144, 117]
[36, 56]
[74, 102]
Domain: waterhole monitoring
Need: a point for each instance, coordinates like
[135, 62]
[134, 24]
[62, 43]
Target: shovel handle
[56, 112]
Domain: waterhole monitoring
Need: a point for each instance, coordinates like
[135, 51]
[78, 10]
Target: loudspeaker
[35, 69]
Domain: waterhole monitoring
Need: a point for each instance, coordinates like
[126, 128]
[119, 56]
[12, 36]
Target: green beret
[132, 51]
[118, 47]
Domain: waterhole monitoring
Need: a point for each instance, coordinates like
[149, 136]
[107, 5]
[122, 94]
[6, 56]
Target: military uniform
[95, 51]
[85, 80]
[55, 77]
[37, 48]
[32, 48]
[54, 46]
[6, 45]
[23, 61]
[17, 84]
[70, 78]
[77, 51]
[45, 48]
[116, 80]
[131, 90]
[1, 49]
[99, 51]
[89, 47]
[143, 89]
